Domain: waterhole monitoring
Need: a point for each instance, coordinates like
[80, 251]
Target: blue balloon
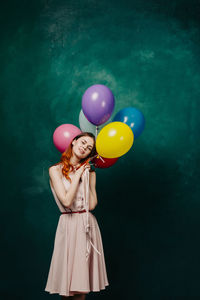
[133, 117]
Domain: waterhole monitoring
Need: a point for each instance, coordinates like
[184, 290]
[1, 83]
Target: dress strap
[85, 180]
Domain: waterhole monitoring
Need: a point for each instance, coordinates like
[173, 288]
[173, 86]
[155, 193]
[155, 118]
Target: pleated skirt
[69, 271]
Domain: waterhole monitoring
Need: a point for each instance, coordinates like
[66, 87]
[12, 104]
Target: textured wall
[147, 52]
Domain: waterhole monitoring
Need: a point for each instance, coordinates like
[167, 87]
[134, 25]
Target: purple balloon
[98, 103]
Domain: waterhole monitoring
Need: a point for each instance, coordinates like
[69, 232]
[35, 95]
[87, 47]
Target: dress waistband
[72, 211]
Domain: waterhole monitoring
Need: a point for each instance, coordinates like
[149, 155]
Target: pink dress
[77, 263]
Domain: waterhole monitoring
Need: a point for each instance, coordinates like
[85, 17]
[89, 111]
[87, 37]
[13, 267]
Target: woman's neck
[74, 160]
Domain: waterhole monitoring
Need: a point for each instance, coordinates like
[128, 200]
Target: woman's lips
[81, 150]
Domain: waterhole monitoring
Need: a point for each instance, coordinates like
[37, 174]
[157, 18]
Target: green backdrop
[148, 53]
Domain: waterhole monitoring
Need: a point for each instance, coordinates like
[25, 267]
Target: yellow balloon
[114, 140]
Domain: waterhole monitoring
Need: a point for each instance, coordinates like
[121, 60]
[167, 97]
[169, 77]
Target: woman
[77, 264]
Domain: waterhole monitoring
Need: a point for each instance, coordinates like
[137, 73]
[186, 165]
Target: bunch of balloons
[113, 139]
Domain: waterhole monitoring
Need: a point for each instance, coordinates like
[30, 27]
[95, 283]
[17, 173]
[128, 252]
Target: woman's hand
[80, 171]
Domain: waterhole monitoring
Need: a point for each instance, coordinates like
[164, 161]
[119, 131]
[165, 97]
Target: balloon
[98, 104]
[114, 140]
[63, 135]
[133, 117]
[103, 162]
[86, 126]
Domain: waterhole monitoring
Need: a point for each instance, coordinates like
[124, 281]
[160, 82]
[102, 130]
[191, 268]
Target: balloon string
[94, 156]
[101, 159]
[98, 157]
[97, 128]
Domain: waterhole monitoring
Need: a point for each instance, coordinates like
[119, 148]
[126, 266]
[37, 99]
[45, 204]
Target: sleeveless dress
[77, 263]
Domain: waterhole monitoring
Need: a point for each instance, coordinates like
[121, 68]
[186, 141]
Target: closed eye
[84, 142]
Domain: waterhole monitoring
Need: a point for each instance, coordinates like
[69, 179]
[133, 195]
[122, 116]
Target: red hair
[66, 155]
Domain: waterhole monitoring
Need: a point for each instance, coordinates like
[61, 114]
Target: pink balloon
[63, 136]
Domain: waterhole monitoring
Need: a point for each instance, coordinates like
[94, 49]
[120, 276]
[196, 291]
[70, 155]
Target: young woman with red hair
[77, 265]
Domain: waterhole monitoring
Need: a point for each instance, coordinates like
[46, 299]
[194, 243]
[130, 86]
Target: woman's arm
[93, 195]
[66, 198]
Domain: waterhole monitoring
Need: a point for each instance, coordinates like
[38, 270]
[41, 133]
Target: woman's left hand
[87, 166]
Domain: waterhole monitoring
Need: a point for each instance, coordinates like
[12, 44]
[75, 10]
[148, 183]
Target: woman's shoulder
[92, 175]
[55, 169]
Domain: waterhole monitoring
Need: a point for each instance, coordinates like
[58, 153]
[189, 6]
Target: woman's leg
[75, 297]
[79, 296]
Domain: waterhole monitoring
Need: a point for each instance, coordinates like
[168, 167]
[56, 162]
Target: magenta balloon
[98, 103]
[63, 135]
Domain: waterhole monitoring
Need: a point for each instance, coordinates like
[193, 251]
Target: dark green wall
[148, 53]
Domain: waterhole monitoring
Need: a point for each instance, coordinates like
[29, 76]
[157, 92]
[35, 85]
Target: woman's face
[83, 146]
